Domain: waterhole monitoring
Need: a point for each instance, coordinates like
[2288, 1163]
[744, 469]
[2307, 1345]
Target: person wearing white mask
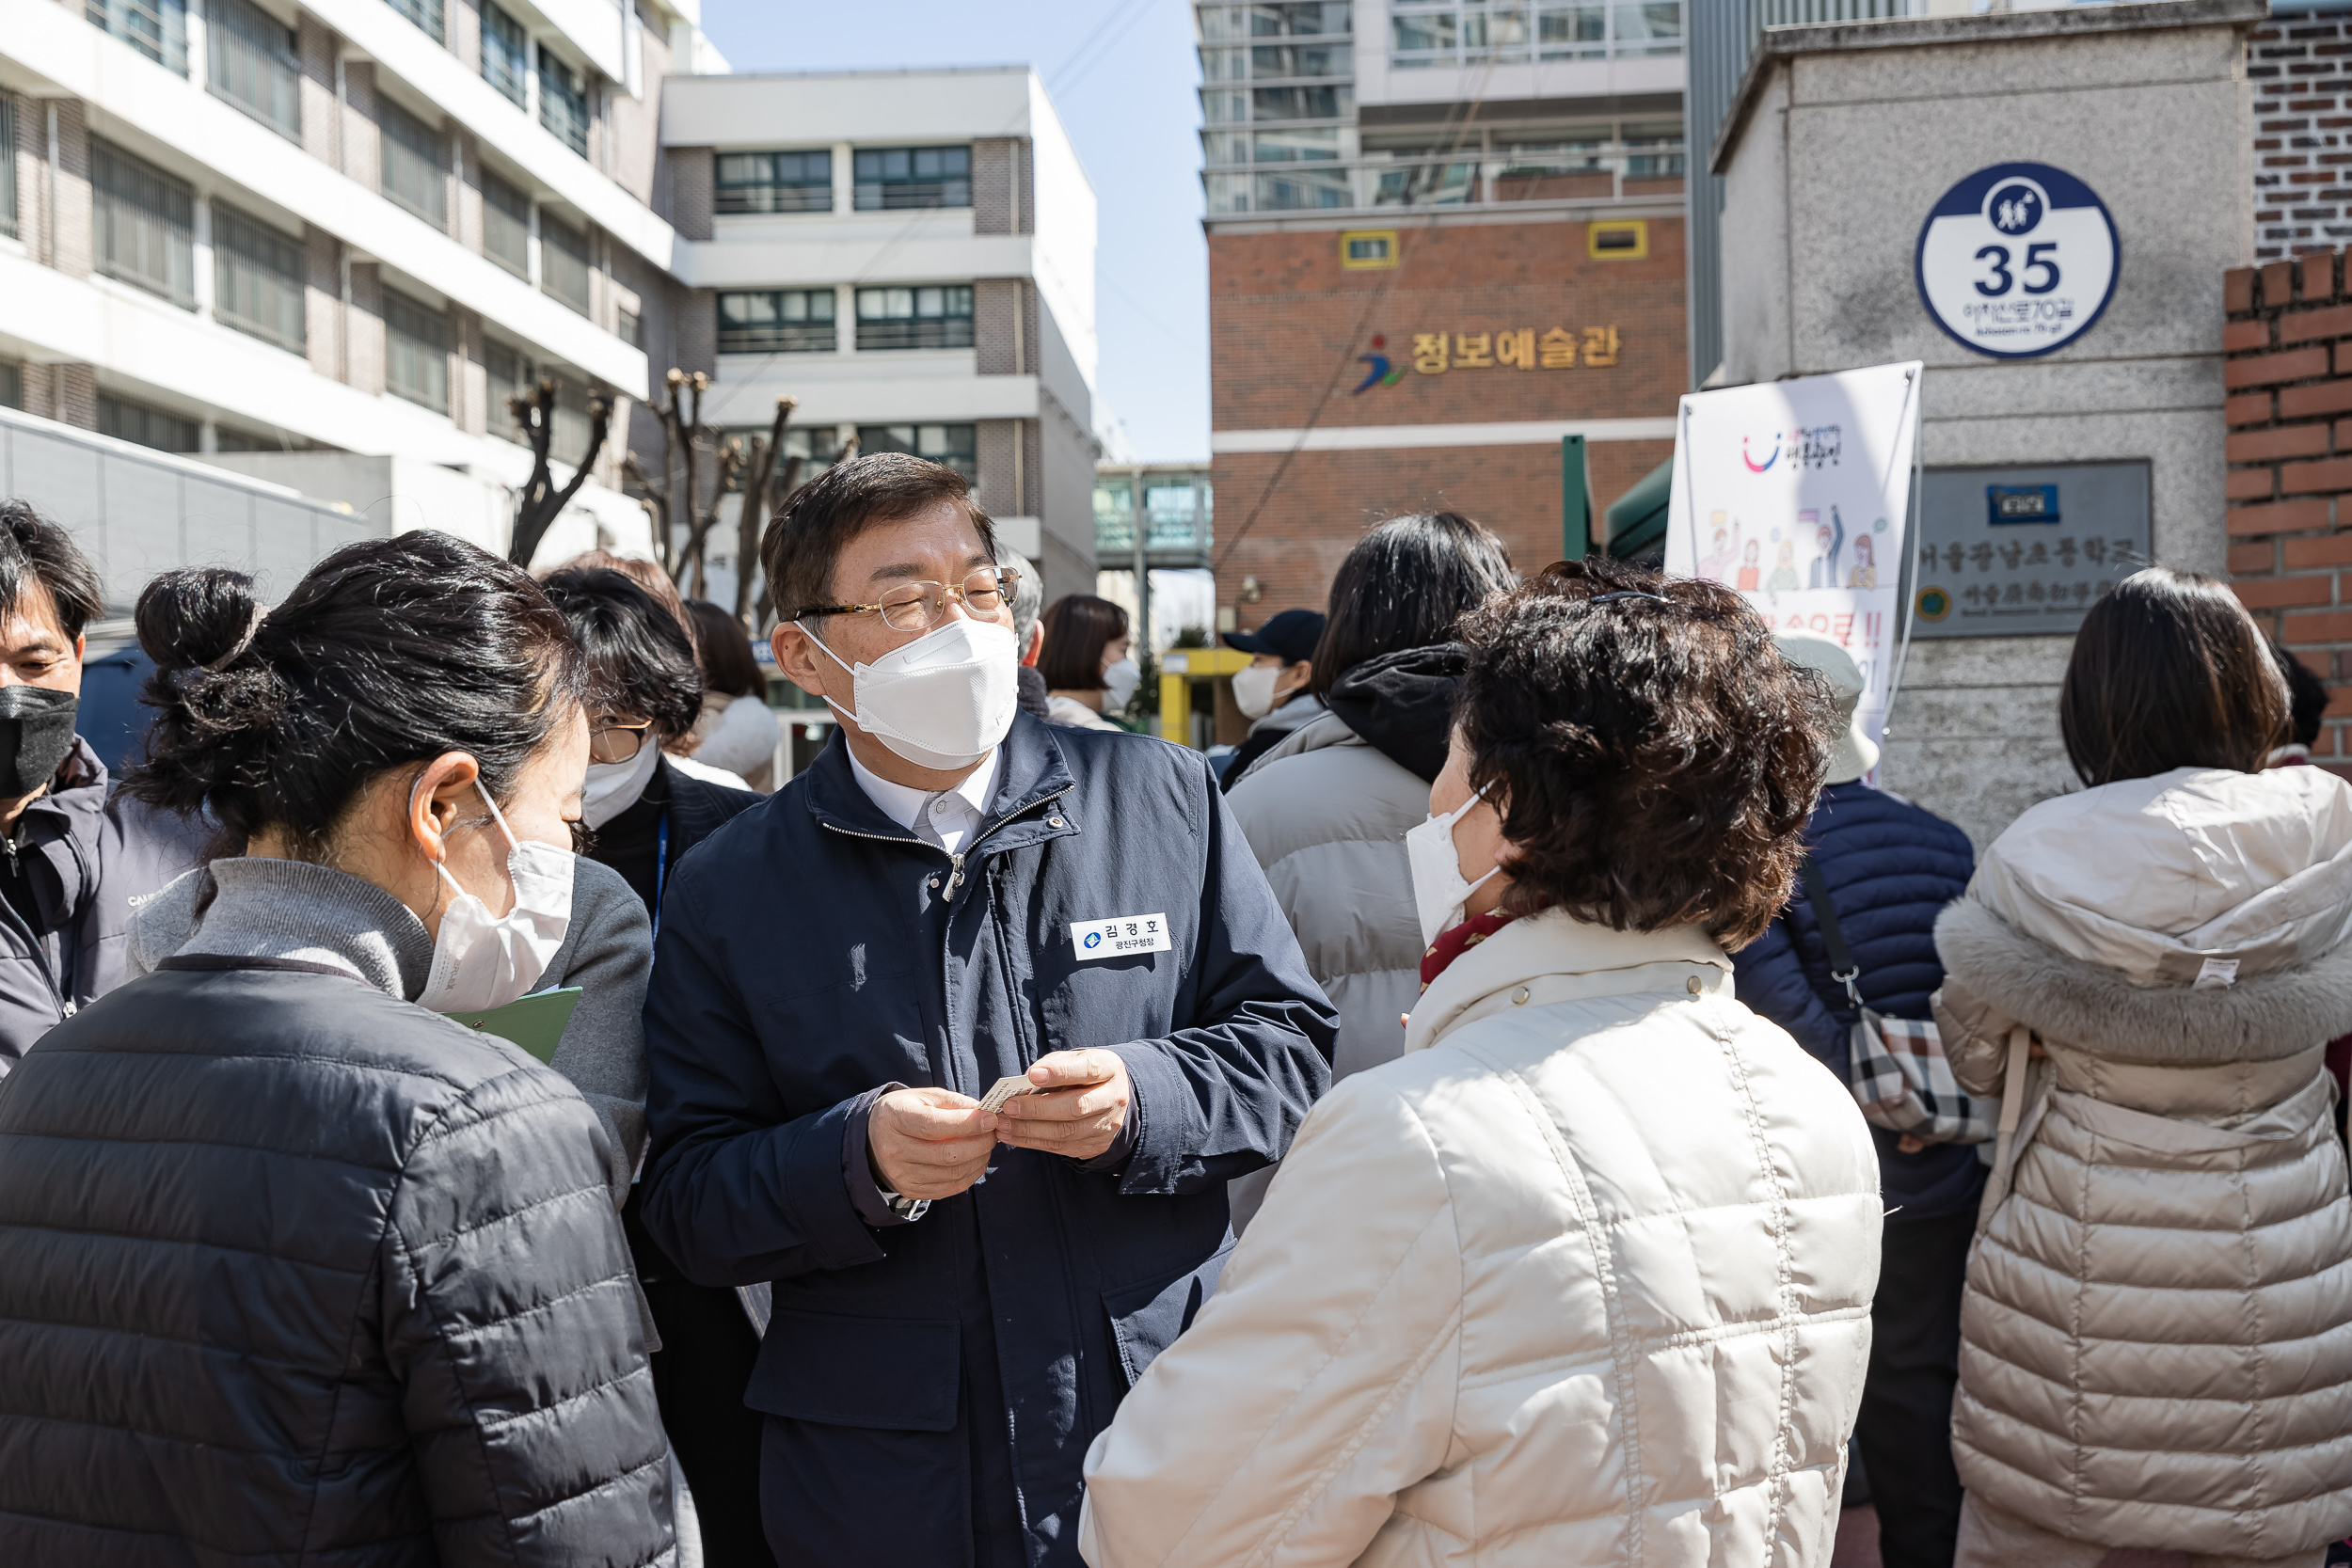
[1585, 1276]
[952, 903]
[1088, 661]
[1273, 692]
[336, 1273]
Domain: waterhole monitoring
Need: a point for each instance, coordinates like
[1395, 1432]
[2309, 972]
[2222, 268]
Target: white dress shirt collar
[905, 804]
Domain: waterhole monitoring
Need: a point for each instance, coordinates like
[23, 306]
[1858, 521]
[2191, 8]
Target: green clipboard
[535, 1022]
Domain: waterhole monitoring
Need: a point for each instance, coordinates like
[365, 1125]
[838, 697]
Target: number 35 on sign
[2017, 260]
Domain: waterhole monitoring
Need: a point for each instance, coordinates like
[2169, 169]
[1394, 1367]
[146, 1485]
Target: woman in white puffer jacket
[2156, 1337]
[1585, 1277]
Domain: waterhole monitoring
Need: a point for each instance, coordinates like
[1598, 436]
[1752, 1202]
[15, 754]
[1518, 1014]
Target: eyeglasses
[919, 605]
[611, 743]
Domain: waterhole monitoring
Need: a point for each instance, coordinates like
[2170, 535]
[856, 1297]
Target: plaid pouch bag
[1895, 1066]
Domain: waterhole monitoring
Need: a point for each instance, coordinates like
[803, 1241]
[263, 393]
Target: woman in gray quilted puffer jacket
[2157, 1335]
[292, 1269]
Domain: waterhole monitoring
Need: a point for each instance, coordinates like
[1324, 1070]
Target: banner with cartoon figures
[1798, 495]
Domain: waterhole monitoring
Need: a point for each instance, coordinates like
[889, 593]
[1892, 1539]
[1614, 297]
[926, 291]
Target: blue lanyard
[660, 868]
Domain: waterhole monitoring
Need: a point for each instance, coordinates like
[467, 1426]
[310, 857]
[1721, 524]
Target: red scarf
[1452, 943]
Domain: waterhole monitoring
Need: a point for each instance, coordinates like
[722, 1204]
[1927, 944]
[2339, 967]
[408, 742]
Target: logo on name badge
[1119, 936]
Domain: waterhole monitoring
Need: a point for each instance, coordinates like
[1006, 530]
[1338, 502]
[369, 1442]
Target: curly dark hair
[1654, 757]
[640, 658]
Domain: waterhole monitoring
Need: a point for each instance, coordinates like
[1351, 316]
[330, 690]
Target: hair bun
[195, 617]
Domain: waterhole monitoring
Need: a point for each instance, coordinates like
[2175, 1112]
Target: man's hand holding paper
[1076, 1104]
[928, 1143]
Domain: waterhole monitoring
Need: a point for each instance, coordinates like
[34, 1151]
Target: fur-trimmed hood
[2198, 876]
[2094, 1009]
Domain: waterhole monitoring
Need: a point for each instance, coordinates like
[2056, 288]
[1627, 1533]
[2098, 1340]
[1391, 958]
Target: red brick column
[2288, 371]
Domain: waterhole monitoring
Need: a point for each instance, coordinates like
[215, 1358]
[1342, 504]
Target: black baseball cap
[1290, 636]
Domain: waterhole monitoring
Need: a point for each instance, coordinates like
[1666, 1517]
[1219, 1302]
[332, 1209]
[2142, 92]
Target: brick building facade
[2300, 68]
[2289, 374]
[1493, 331]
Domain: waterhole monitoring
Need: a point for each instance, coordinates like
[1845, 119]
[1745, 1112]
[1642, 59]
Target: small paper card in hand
[1004, 1089]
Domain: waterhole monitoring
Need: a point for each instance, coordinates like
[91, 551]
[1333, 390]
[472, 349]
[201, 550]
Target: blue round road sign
[2017, 260]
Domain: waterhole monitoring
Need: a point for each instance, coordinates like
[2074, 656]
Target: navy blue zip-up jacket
[1890, 868]
[931, 1388]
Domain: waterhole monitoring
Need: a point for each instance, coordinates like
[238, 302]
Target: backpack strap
[1842, 968]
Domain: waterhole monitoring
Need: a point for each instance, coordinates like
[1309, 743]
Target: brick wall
[2288, 369]
[1285, 318]
[2300, 68]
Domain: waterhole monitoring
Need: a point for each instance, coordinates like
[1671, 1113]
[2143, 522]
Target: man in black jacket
[72, 857]
[953, 895]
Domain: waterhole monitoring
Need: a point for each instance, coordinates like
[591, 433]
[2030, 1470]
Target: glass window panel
[629, 328]
[894, 179]
[1225, 147]
[775, 182]
[1272, 60]
[411, 166]
[567, 433]
[7, 165]
[1229, 193]
[156, 28]
[143, 223]
[778, 320]
[1647, 27]
[564, 262]
[1310, 145]
[416, 352]
[562, 102]
[252, 64]
[1310, 20]
[1303, 190]
[1302, 103]
[1223, 22]
[506, 224]
[505, 54]
[1573, 25]
[1496, 30]
[425, 14]
[1113, 516]
[257, 278]
[1224, 65]
[914, 318]
[1225, 109]
[957, 446]
[137, 422]
[507, 372]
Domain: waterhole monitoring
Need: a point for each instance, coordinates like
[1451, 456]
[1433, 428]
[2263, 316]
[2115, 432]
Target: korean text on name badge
[1119, 936]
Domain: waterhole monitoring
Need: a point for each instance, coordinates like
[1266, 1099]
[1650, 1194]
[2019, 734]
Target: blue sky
[1122, 74]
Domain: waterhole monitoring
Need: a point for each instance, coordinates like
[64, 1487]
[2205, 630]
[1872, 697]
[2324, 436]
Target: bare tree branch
[541, 503]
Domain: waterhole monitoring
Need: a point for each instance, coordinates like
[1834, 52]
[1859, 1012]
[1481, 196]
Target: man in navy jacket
[953, 893]
[1889, 868]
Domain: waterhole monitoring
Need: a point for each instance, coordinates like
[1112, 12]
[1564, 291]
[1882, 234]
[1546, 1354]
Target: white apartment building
[909, 255]
[322, 241]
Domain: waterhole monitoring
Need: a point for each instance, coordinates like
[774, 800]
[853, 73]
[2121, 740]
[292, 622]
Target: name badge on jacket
[1119, 936]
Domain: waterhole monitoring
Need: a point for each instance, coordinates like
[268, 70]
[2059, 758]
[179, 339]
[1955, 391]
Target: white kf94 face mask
[1439, 888]
[1119, 681]
[481, 960]
[1253, 689]
[945, 700]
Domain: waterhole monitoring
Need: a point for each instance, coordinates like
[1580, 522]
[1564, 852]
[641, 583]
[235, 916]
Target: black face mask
[36, 737]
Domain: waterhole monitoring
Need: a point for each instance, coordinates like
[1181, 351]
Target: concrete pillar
[363, 366]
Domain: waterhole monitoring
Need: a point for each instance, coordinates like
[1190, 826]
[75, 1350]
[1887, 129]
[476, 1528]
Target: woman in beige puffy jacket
[1585, 1277]
[2156, 1339]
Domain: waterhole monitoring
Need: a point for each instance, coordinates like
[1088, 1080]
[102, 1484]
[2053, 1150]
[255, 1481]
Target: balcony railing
[1598, 172]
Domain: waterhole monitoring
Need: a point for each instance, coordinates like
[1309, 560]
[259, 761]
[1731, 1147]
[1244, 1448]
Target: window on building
[505, 54]
[143, 426]
[890, 179]
[142, 225]
[506, 224]
[1300, 144]
[507, 373]
[567, 435]
[7, 165]
[413, 167]
[563, 264]
[12, 384]
[156, 28]
[1454, 33]
[630, 327]
[416, 352]
[1654, 151]
[1273, 61]
[778, 320]
[939, 316]
[251, 63]
[1302, 103]
[562, 102]
[780, 182]
[957, 446]
[425, 14]
[257, 278]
